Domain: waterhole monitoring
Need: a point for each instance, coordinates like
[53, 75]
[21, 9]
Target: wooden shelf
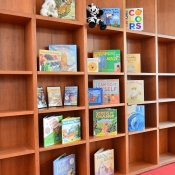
[15, 113]
[60, 73]
[147, 129]
[105, 73]
[16, 72]
[161, 100]
[166, 124]
[15, 151]
[166, 158]
[145, 102]
[106, 106]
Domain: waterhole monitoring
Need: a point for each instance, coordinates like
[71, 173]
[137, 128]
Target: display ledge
[109, 30]
[57, 23]
[139, 34]
[15, 151]
[147, 129]
[166, 74]
[165, 38]
[6, 72]
[161, 100]
[14, 17]
[60, 109]
[166, 124]
[145, 102]
[59, 73]
[141, 166]
[105, 73]
[57, 146]
[106, 106]
[142, 74]
[15, 113]
[166, 158]
[99, 138]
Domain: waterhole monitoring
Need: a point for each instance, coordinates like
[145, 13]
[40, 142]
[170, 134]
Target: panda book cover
[68, 56]
[134, 18]
[104, 162]
[64, 165]
[109, 60]
[111, 17]
[136, 118]
[135, 91]
[105, 122]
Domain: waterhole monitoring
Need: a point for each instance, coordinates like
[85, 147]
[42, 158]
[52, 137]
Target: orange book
[133, 63]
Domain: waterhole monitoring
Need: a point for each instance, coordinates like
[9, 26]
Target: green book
[109, 60]
[52, 130]
[105, 122]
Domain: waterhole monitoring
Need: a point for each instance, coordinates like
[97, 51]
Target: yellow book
[92, 64]
[133, 63]
[135, 91]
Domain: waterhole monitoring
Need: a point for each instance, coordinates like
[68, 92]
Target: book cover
[95, 96]
[134, 18]
[49, 60]
[68, 56]
[111, 16]
[71, 95]
[136, 118]
[52, 130]
[71, 129]
[65, 9]
[135, 91]
[133, 63]
[54, 96]
[41, 98]
[109, 60]
[105, 122]
[104, 162]
[92, 64]
[64, 165]
[111, 93]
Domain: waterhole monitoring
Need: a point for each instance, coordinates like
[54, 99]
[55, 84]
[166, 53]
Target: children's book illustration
[111, 16]
[64, 165]
[92, 64]
[105, 122]
[71, 129]
[111, 93]
[104, 162]
[68, 56]
[41, 98]
[136, 118]
[52, 130]
[95, 96]
[71, 95]
[133, 63]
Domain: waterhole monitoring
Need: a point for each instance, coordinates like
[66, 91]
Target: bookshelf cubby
[23, 31]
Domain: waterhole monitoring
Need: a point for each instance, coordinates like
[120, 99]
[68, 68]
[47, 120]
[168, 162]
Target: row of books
[58, 130]
[103, 163]
[55, 97]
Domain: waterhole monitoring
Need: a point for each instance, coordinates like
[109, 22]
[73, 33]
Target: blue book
[68, 56]
[64, 165]
[111, 16]
[95, 96]
[136, 118]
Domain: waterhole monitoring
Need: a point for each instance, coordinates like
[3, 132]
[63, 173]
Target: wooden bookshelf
[23, 31]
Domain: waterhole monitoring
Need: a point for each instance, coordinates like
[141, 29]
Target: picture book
[133, 63]
[71, 129]
[95, 96]
[49, 60]
[65, 9]
[64, 165]
[71, 95]
[92, 64]
[136, 118]
[104, 162]
[134, 18]
[135, 91]
[109, 60]
[52, 130]
[68, 56]
[105, 122]
[111, 16]
[54, 96]
[41, 98]
[111, 93]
